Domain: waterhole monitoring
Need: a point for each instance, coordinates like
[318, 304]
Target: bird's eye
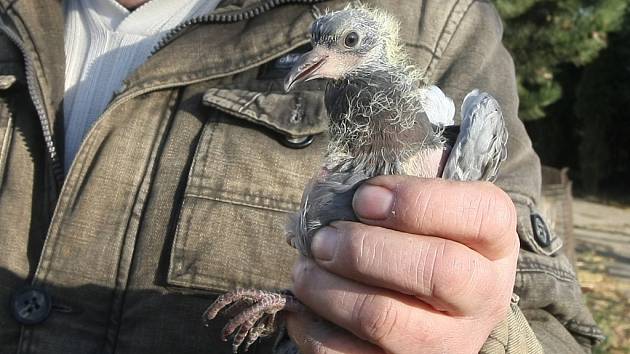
[351, 40]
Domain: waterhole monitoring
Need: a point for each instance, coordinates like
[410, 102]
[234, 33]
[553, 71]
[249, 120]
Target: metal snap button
[297, 143]
[6, 81]
[541, 231]
[30, 305]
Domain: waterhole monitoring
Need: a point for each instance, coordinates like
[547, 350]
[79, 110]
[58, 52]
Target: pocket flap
[293, 115]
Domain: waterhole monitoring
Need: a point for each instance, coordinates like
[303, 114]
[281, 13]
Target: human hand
[430, 269]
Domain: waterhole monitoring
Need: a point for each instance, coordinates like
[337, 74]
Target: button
[297, 143]
[30, 305]
[6, 81]
[541, 231]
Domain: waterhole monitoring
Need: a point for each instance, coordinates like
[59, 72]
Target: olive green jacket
[181, 189]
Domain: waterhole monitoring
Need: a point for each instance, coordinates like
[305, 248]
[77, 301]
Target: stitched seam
[69, 189]
[194, 278]
[256, 60]
[182, 228]
[126, 259]
[420, 46]
[567, 279]
[527, 265]
[207, 143]
[6, 139]
[496, 336]
[204, 281]
[233, 196]
[445, 37]
[585, 329]
[435, 57]
[506, 345]
[41, 77]
[243, 203]
[182, 254]
[520, 198]
[228, 106]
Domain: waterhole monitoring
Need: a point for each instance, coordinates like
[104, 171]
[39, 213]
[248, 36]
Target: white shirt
[104, 43]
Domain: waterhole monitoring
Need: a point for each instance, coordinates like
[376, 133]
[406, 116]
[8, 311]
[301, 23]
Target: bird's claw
[252, 312]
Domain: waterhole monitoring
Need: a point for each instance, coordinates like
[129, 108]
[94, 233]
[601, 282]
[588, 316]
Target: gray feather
[481, 145]
[324, 200]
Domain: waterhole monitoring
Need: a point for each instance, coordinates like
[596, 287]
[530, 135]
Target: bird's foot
[252, 312]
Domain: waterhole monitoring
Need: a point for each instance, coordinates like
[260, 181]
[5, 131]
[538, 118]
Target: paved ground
[602, 236]
[607, 230]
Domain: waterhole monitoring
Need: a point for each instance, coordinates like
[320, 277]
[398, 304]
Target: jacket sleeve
[513, 335]
[550, 313]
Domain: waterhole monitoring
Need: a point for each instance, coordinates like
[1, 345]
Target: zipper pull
[6, 81]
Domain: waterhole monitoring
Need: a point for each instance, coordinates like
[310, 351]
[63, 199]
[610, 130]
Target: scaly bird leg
[263, 328]
[253, 313]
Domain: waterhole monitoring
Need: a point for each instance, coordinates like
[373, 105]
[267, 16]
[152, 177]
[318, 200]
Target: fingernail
[325, 243]
[373, 202]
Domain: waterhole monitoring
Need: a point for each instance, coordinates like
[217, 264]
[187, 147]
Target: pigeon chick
[384, 120]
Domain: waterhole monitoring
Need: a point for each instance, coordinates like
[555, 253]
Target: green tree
[544, 35]
[601, 106]
[573, 69]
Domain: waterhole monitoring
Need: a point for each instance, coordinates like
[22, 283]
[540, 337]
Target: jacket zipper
[33, 84]
[36, 96]
[121, 95]
[229, 17]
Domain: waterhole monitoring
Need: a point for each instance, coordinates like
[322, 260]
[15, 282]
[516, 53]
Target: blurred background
[573, 69]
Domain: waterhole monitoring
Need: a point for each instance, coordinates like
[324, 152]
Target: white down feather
[439, 108]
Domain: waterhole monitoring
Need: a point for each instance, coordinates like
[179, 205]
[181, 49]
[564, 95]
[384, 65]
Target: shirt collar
[148, 19]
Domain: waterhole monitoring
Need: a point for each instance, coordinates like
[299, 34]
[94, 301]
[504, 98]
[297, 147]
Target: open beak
[305, 69]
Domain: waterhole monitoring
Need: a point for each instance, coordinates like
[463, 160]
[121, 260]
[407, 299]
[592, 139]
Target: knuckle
[376, 317]
[453, 274]
[418, 205]
[362, 251]
[426, 270]
[505, 205]
[497, 213]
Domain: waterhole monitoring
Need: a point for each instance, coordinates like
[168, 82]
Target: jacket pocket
[243, 183]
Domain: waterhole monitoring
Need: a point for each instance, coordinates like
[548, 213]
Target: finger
[448, 275]
[477, 214]
[315, 335]
[379, 316]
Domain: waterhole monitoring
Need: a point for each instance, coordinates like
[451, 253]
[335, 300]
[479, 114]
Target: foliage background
[573, 67]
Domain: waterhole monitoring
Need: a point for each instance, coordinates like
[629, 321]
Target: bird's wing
[327, 198]
[481, 145]
[438, 107]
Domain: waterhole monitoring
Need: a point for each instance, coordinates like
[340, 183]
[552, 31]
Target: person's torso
[180, 190]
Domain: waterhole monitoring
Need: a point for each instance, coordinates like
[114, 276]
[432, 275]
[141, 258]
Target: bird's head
[346, 43]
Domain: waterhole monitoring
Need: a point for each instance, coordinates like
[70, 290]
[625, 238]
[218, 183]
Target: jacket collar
[202, 51]
[213, 49]
[40, 24]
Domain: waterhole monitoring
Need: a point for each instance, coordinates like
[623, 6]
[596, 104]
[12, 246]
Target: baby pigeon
[384, 120]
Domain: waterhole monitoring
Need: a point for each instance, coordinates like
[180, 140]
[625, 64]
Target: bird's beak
[305, 69]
